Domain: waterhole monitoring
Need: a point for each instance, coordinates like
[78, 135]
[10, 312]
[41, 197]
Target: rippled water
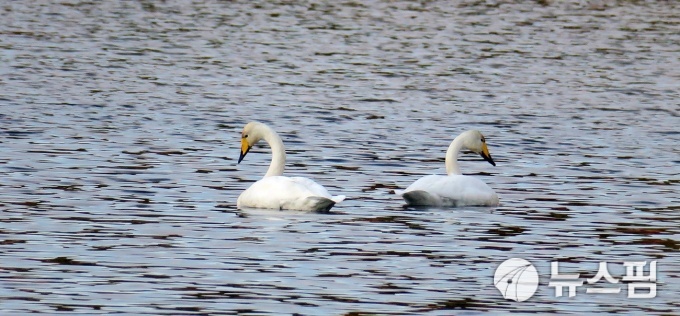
[120, 132]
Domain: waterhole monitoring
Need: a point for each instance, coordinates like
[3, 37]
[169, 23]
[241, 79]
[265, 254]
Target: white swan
[454, 189]
[275, 191]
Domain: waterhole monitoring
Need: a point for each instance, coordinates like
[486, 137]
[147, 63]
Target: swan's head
[475, 141]
[251, 134]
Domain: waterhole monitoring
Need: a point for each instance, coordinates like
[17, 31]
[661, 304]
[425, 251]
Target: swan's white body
[454, 189]
[275, 191]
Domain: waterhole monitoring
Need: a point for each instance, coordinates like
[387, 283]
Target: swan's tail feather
[399, 192]
[419, 197]
[338, 198]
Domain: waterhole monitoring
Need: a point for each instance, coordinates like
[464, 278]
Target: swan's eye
[245, 136]
[483, 140]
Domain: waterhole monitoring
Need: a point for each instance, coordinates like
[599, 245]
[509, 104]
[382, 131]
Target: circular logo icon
[517, 279]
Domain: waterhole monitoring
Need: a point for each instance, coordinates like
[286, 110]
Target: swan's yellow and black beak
[486, 155]
[245, 148]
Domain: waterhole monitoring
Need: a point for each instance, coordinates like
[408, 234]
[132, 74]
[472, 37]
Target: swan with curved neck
[454, 189]
[253, 133]
[472, 140]
[275, 191]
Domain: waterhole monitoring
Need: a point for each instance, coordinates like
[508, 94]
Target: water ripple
[120, 133]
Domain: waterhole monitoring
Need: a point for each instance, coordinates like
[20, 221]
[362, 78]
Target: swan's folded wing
[313, 187]
[425, 183]
[317, 189]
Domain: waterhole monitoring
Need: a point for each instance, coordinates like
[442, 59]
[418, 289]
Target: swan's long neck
[452, 156]
[278, 153]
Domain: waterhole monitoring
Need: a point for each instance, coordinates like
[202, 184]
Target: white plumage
[275, 191]
[454, 189]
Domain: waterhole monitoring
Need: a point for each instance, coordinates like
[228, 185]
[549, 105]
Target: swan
[454, 189]
[275, 191]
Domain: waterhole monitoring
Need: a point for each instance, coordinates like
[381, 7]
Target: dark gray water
[120, 122]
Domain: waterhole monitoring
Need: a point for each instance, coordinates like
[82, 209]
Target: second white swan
[454, 189]
[275, 191]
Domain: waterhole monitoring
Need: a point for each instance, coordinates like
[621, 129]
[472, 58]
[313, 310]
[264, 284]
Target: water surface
[120, 122]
